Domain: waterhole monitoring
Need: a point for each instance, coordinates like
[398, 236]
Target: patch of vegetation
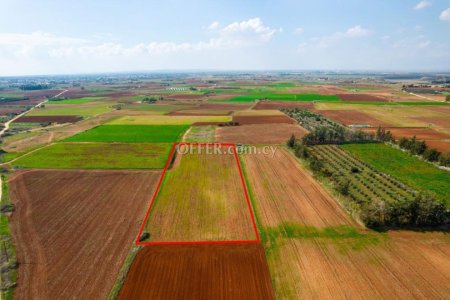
[324, 131]
[420, 148]
[201, 134]
[76, 100]
[407, 168]
[284, 97]
[8, 260]
[98, 156]
[74, 110]
[131, 134]
[114, 293]
[166, 120]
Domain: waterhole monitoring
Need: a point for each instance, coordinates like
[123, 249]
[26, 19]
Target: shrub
[316, 164]
[344, 187]
[444, 159]
[431, 154]
[291, 142]
[301, 151]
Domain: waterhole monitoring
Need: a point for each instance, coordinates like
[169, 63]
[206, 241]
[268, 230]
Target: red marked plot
[203, 200]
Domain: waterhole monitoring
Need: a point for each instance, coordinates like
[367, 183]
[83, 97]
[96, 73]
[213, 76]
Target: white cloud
[236, 35]
[299, 30]
[357, 31]
[422, 4]
[252, 26]
[214, 25]
[445, 15]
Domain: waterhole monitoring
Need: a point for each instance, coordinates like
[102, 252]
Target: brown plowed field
[442, 145]
[363, 265]
[73, 229]
[284, 104]
[49, 119]
[438, 122]
[361, 98]
[286, 193]
[199, 272]
[259, 133]
[401, 266]
[263, 119]
[349, 117]
[11, 110]
[420, 133]
[223, 106]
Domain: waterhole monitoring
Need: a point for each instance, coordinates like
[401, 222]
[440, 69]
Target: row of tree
[422, 210]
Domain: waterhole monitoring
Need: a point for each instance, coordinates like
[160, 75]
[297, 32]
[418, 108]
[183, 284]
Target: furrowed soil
[202, 199]
[314, 250]
[287, 193]
[242, 120]
[361, 97]
[199, 272]
[259, 133]
[349, 117]
[73, 229]
[48, 119]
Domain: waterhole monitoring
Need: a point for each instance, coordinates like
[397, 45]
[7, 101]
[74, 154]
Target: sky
[87, 36]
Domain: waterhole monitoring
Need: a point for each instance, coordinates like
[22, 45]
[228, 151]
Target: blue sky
[61, 37]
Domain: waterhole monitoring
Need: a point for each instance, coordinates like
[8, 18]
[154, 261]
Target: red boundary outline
[257, 240]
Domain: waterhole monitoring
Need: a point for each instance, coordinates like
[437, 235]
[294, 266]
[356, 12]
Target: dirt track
[199, 272]
[73, 229]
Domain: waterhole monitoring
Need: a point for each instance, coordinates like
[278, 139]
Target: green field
[77, 100]
[408, 169]
[166, 120]
[98, 156]
[283, 97]
[69, 110]
[131, 134]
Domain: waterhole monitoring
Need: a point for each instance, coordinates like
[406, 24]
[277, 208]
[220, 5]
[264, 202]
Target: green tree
[431, 154]
[291, 141]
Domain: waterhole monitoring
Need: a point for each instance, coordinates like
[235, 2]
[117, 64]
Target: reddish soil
[443, 109]
[199, 272]
[285, 104]
[443, 146]
[299, 198]
[31, 101]
[361, 98]
[420, 133]
[77, 93]
[48, 119]
[259, 133]
[10, 110]
[349, 117]
[222, 106]
[73, 229]
[205, 123]
[242, 120]
[436, 121]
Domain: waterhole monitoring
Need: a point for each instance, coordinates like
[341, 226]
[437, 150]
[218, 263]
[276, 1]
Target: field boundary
[158, 187]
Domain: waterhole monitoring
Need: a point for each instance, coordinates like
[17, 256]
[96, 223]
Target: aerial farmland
[284, 197]
[226, 150]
